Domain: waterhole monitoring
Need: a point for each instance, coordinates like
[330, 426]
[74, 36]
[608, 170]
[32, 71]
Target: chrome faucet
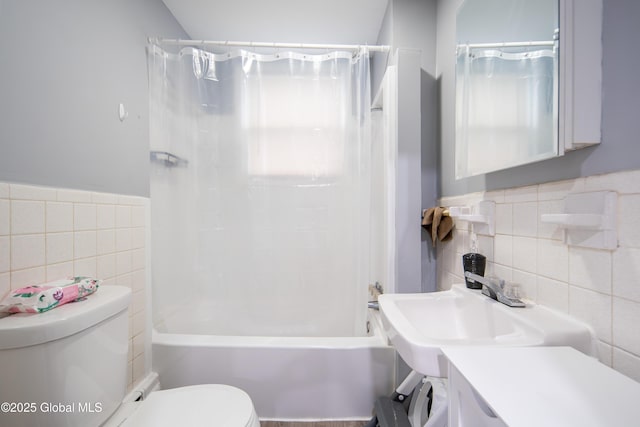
[375, 305]
[375, 291]
[494, 289]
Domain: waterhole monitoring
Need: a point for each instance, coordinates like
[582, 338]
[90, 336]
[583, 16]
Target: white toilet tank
[67, 366]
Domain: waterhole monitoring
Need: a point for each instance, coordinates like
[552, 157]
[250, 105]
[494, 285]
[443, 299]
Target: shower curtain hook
[361, 50]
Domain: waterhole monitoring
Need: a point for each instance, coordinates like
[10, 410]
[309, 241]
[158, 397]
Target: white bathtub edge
[377, 340]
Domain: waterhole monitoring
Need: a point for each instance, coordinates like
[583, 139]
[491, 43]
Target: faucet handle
[378, 287]
[375, 291]
[513, 290]
[510, 301]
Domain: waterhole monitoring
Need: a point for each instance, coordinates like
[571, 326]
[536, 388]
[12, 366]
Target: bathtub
[288, 378]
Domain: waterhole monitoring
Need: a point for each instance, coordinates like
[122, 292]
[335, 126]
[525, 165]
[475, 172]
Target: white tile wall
[59, 248]
[27, 250]
[27, 217]
[4, 190]
[48, 234]
[5, 261]
[601, 287]
[59, 217]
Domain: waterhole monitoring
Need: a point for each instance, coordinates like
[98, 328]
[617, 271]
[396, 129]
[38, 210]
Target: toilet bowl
[198, 405]
[69, 365]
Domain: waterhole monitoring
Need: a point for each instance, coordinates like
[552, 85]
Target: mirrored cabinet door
[515, 81]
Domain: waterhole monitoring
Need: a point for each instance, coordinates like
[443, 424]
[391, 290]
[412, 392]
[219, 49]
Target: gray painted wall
[66, 65]
[408, 182]
[380, 61]
[620, 148]
[412, 24]
[415, 26]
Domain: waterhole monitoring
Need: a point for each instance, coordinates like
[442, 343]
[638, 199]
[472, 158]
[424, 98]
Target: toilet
[67, 367]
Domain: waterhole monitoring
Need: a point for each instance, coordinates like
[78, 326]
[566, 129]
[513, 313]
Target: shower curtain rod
[181, 42]
[507, 44]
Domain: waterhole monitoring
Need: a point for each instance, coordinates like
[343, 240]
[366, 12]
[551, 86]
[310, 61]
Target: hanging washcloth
[438, 224]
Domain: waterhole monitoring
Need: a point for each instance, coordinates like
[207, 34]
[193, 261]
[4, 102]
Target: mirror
[506, 84]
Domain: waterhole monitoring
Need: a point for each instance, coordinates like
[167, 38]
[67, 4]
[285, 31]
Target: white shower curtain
[265, 219]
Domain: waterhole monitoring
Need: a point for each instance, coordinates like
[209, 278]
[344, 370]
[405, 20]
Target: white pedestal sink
[419, 325]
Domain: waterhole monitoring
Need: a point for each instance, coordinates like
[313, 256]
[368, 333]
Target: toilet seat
[199, 405]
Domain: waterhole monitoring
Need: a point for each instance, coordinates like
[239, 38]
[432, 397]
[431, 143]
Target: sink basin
[420, 325]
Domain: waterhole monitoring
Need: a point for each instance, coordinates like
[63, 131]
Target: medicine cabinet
[528, 81]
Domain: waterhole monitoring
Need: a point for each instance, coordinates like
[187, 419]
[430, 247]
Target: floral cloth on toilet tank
[40, 298]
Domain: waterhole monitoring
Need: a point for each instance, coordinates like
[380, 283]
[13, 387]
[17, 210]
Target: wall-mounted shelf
[576, 221]
[589, 219]
[481, 215]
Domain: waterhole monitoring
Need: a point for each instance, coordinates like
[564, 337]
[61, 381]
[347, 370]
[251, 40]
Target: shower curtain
[260, 190]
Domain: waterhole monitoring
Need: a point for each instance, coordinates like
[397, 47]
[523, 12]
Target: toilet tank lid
[25, 329]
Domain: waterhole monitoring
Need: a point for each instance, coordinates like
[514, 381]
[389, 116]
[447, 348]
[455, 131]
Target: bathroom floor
[312, 424]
